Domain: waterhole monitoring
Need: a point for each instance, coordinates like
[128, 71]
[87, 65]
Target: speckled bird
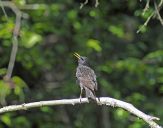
[86, 78]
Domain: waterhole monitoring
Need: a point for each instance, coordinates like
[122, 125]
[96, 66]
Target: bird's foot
[80, 98]
[98, 101]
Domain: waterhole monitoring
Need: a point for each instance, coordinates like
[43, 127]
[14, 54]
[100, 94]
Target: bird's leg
[81, 91]
[98, 101]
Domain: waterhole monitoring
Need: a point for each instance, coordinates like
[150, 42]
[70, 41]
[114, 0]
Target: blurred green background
[129, 66]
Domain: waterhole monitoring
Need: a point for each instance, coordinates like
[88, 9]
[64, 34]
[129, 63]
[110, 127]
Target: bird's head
[81, 59]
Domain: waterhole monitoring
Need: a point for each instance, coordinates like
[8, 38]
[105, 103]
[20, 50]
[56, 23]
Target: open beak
[77, 55]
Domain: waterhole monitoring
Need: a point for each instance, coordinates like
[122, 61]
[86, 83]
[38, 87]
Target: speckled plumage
[86, 78]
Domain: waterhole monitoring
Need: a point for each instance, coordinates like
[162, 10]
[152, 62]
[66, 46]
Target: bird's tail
[90, 94]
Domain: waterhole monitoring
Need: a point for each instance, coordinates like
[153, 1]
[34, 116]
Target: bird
[86, 78]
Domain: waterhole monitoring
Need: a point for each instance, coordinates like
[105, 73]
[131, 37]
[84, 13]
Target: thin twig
[19, 15]
[146, 7]
[14, 8]
[103, 101]
[12, 57]
[3, 9]
[145, 23]
[160, 4]
[152, 15]
[86, 2]
[96, 3]
[157, 12]
[82, 4]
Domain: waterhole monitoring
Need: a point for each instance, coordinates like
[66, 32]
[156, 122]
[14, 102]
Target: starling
[86, 78]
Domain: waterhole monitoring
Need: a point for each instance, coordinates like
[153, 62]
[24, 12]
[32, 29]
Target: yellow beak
[77, 55]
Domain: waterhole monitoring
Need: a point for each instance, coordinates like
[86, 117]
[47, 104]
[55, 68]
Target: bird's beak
[77, 55]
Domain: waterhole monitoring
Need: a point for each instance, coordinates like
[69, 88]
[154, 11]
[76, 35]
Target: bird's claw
[80, 99]
[98, 101]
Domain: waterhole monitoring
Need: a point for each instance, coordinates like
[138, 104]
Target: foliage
[129, 66]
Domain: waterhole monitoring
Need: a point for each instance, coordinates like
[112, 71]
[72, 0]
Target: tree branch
[103, 100]
[86, 2]
[155, 12]
[146, 7]
[16, 30]
[158, 13]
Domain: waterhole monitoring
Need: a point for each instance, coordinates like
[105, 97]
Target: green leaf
[22, 121]
[20, 2]
[137, 124]
[19, 85]
[6, 29]
[116, 30]
[6, 119]
[4, 91]
[121, 114]
[3, 71]
[156, 56]
[142, 28]
[72, 15]
[93, 13]
[18, 81]
[30, 39]
[46, 109]
[94, 44]
[131, 64]
[77, 25]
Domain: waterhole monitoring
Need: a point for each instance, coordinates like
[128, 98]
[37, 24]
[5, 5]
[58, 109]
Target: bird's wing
[93, 77]
[87, 77]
